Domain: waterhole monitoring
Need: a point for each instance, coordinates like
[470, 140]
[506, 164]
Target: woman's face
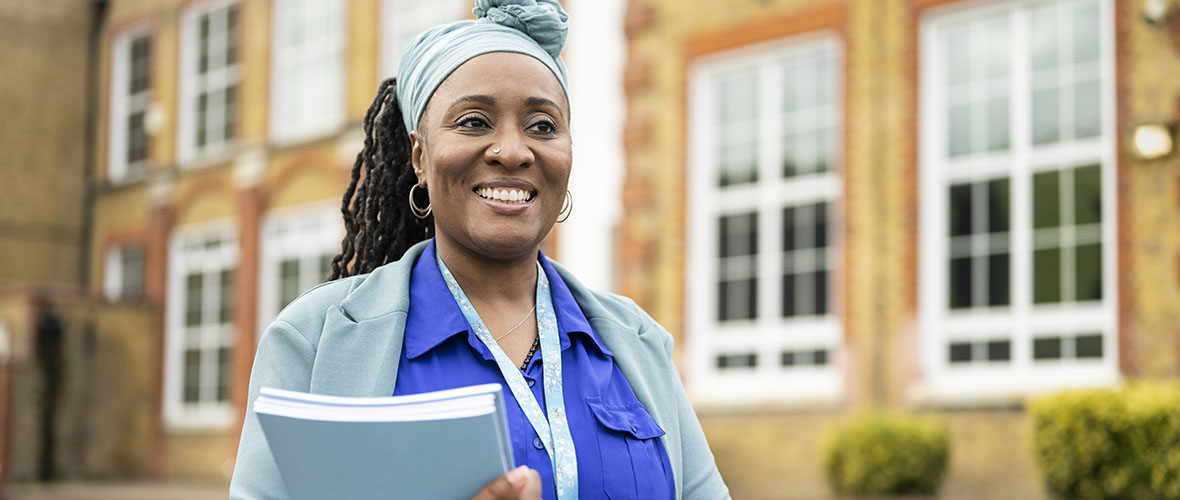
[497, 204]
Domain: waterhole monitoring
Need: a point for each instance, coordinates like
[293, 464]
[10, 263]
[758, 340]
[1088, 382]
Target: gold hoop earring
[420, 213]
[567, 208]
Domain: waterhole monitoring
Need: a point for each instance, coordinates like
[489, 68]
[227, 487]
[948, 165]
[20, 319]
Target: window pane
[325, 267]
[1043, 35]
[959, 132]
[738, 299]
[737, 361]
[1047, 276]
[1085, 31]
[821, 292]
[1046, 116]
[820, 358]
[999, 350]
[739, 234]
[821, 225]
[1088, 346]
[202, 119]
[203, 45]
[1087, 183]
[998, 283]
[960, 283]
[998, 205]
[225, 309]
[788, 308]
[1087, 110]
[136, 138]
[223, 369]
[960, 216]
[789, 229]
[787, 358]
[132, 273]
[1047, 348]
[1088, 272]
[288, 281]
[231, 111]
[1046, 200]
[960, 352]
[192, 375]
[997, 124]
[231, 35]
[193, 296]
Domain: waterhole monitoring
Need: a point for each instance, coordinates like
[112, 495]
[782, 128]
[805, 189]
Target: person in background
[441, 282]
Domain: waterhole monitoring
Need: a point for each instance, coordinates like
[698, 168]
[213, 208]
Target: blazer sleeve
[702, 480]
[284, 360]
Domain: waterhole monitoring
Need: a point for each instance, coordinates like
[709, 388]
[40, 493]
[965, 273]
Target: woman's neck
[491, 281]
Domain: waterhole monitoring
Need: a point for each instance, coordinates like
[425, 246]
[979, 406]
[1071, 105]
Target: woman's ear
[417, 154]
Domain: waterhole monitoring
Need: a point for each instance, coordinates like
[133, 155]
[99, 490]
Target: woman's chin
[506, 241]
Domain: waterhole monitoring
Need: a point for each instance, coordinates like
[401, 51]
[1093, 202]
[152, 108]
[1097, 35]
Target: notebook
[438, 445]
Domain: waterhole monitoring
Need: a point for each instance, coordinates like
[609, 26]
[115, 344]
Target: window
[297, 248]
[123, 276]
[403, 20]
[1017, 189]
[130, 98]
[308, 75]
[764, 184]
[200, 325]
[209, 83]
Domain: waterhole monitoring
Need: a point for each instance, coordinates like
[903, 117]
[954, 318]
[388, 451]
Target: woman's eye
[473, 122]
[545, 127]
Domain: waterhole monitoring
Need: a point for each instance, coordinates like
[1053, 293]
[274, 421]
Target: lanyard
[554, 431]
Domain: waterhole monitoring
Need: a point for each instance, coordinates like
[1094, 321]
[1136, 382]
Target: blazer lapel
[362, 340]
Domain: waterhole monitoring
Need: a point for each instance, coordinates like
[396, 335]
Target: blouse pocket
[633, 458]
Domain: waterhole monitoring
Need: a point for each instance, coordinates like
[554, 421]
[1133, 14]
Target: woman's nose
[510, 149]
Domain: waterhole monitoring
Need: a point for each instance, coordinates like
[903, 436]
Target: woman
[472, 147]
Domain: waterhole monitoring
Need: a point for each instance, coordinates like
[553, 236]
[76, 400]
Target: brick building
[222, 134]
[921, 205]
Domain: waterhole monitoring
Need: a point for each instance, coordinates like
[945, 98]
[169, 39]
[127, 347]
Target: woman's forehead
[503, 76]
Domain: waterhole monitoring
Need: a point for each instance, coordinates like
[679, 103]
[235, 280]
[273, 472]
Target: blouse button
[532, 382]
[538, 444]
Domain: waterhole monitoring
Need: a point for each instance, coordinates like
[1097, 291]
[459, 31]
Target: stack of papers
[438, 445]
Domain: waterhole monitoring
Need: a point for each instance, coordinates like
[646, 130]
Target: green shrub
[1110, 444]
[882, 454]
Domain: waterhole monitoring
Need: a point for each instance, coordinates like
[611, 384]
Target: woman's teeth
[505, 195]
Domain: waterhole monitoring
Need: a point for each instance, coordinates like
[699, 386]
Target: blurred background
[943, 213]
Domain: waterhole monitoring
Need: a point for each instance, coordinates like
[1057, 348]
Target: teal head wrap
[535, 28]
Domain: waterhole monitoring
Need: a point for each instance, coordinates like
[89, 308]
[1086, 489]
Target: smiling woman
[440, 282]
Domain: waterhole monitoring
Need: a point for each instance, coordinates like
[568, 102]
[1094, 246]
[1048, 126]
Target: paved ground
[114, 491]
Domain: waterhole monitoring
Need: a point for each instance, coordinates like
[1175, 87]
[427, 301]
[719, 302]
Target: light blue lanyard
[554, 431]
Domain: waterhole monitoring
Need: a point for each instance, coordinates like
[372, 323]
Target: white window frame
[189, 154]
[202, 415]
[123, 105]
[1020, 376]
[305, 232]
[113, 283]
[421, 14]
[770, 334]
[284, 128]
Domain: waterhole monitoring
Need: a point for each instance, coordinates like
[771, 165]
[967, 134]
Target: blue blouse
[620, 455]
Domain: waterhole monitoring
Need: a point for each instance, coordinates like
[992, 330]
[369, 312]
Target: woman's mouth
[506, 195]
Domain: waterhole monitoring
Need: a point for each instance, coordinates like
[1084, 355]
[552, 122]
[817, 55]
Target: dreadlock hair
[377, 219]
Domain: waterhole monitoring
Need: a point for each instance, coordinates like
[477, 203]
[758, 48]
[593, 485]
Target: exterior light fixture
[1151, 141]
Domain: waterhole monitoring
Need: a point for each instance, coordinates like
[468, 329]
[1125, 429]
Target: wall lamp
[1152, 141]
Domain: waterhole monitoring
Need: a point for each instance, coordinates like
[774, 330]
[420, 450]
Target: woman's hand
[521, 483]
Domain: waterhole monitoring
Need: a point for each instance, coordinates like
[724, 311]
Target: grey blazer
[345, 338]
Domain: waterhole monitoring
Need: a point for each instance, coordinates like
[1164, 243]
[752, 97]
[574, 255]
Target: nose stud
[496, 151]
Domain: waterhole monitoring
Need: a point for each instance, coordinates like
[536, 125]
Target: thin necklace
[526, 316]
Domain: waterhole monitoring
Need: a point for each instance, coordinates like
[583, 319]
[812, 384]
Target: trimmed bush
[1110, 444]
[886, 454]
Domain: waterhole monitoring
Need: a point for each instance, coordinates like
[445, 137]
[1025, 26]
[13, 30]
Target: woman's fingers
[521, 483]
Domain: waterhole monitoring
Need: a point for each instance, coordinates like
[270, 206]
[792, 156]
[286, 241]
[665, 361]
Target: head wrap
[535, 28]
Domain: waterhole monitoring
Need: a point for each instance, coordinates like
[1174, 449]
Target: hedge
[1110, 444]
[886, 454]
